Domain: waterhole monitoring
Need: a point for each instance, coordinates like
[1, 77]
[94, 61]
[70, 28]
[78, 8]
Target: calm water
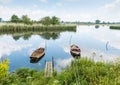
[101, 41]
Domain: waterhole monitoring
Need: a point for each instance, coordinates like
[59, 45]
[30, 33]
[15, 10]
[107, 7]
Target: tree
[97, 21]
[15, 18]
[4, 67]
[0, 19]
[46, 20]
[25, 19]
[55, 20]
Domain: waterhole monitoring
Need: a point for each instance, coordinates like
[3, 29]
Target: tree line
[44, 21]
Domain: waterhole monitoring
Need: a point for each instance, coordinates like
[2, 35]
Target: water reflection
[97, 26]
[35, 60]
[18, 47]
[44, 34]
[48, 35]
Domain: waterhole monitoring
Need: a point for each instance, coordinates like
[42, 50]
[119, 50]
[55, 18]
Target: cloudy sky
[66, 10]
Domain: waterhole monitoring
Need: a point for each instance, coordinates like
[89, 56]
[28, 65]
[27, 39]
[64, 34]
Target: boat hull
[37, 55]
[35, 60]
[75, 51]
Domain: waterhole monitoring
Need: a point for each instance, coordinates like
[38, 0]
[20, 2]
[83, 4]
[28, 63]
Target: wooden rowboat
[75, 51]
[37, 54]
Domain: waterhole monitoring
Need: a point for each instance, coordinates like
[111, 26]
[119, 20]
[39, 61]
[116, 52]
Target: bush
[4, 68]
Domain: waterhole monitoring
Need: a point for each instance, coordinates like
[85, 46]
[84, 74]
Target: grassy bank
[115, 27]
[36, 27]
[81, 72]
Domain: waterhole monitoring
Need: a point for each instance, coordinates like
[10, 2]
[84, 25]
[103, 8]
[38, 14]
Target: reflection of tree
[48, 35]
[97, 26]
[54, 34]
[16, 37]
[27, 36]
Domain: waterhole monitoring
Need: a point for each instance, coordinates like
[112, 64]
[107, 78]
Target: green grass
[81, 72]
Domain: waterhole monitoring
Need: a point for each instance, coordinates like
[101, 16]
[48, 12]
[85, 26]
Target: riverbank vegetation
[115, 27]
[25, 28]
[81, 72]
[26, 20]
[24, 24]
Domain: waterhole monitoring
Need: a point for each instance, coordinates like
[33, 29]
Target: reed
[37, 27]
[115, 27]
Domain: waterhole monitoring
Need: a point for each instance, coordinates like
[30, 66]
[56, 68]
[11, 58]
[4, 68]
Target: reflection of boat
[75, 51]
[37, 55]
[35, 60]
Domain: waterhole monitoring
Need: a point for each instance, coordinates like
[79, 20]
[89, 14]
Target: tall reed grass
[115, 27]
[25, 28]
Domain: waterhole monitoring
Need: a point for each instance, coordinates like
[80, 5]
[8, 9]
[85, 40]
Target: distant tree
[25, 19]
[97, 21]
[15, 18]
[103, 22]
[55, 20]
[46, 20]
[0, 19]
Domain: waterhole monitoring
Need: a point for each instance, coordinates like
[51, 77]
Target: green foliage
[115, 27]
[81, 72]
[4, 69]
[25, 19]
[15, 19]
[97, 21]
[88, 72]
[55, 20]
[50, 21]
[46, 20]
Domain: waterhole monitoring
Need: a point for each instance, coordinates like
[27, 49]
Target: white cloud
[113, 5]
[35, 5]
[43, 0]
[59, 4]
[7, 12]
[109, 12]
[5, 1]
[72, 0]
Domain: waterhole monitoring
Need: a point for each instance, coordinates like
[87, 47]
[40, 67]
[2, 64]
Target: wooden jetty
[49, 68]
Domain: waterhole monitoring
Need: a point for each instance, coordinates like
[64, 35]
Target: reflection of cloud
[62, 63]
[66, 49]
[99, 56]
[107, 35]
[7, 46]
[31, 50]
[42, 45]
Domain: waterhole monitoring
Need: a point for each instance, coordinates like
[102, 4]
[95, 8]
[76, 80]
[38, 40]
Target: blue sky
[66, 10]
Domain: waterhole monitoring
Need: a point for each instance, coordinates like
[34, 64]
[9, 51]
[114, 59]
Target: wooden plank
[48, 69]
